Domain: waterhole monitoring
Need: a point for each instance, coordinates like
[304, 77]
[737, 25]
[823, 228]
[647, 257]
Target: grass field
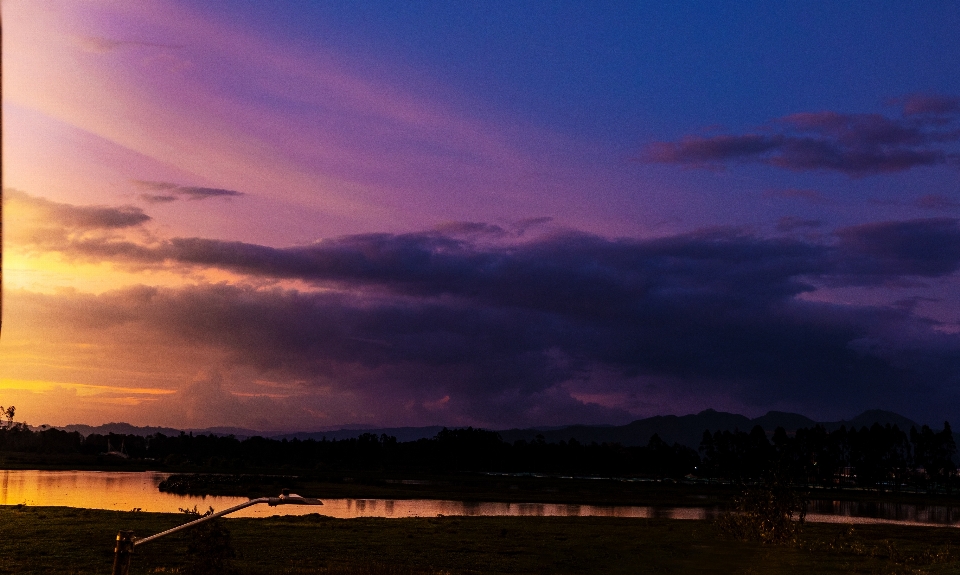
[60, 541]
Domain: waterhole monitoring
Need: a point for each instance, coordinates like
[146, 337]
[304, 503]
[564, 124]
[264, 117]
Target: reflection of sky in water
[867, 512]
[125, 491]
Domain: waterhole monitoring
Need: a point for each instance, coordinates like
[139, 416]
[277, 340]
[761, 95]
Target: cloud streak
[101, 45]
[73, 217]
[925, 134]
[165, 192]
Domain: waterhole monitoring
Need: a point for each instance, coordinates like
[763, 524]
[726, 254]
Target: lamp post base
[123, 553]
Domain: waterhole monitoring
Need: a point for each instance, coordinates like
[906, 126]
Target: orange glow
[81, 389]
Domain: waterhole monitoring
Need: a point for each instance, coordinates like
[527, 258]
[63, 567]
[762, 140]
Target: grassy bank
[64, 541]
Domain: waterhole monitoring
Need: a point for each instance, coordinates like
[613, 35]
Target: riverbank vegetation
[61, 541]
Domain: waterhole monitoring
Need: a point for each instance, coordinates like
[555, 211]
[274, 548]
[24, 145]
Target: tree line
[882, 457]
[465, 449]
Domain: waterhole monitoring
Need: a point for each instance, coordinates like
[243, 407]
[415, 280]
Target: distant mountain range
[688, 429]
[128, 429]
[685, 429]
[401, 433]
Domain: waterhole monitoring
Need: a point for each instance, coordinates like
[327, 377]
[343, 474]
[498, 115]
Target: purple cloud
[468, 260]
[856, 130]
[699, 151]
[855, 144]
[918, 104]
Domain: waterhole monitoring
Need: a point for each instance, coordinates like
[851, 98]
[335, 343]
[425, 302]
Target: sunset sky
[301, 215]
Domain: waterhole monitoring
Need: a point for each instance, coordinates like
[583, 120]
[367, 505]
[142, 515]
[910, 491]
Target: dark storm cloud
[173, 192]
[570, 273]
[500, 329]
[572, 270]
[738, 332]
[891, 250]
[496, 332]
[856, 144]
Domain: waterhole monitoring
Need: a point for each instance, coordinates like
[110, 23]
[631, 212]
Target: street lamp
[127, 542]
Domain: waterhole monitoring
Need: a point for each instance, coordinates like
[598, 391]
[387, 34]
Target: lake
[125, 491]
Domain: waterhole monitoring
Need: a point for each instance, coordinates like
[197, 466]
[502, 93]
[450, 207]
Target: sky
[303, 215]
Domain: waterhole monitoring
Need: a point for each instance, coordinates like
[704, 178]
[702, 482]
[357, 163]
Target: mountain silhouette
[683, 429]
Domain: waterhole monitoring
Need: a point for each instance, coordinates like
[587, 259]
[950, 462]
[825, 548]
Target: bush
[772, 513]
[209, 547]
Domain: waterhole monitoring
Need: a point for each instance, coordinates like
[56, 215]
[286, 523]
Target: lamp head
[287, 498]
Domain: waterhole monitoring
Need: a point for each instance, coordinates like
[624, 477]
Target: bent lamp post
[127, 542]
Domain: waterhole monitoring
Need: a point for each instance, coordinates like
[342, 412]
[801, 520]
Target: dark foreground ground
[55, 541]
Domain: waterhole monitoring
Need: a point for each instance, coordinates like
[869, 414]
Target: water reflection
[827, 511]
[89, 489]
[125, 491]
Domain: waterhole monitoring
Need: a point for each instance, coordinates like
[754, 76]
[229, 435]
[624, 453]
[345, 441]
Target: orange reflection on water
[92, 490]
[124, 491]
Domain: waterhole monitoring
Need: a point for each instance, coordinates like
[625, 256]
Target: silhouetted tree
[934, 452]
[8, 414]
